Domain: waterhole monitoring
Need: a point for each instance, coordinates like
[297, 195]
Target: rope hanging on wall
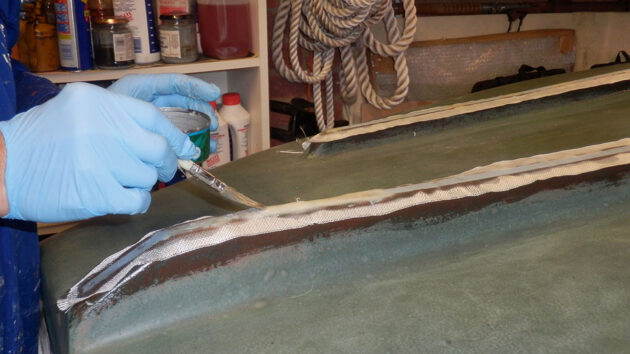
[321, 26]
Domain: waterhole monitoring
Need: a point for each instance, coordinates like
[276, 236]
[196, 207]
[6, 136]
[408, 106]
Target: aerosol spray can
[73, 34]
[142, 24]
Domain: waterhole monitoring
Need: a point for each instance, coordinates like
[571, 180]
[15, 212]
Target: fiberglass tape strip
[157, 246]
[440, 112]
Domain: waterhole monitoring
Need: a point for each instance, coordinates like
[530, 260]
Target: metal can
[113, 43]
[194, 124]
[178, 38]
[73, 33]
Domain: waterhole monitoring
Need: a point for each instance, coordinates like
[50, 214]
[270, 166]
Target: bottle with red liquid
[224, 28]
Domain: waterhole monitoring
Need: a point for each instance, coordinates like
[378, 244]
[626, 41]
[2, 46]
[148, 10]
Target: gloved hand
[88, 152]
[172, 90]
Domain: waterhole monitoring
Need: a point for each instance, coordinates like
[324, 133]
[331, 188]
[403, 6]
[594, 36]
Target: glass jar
[178, 38]
[224, 28]
[46, 51]
[113, 43]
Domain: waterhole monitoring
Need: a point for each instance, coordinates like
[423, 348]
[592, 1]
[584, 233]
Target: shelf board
[203, 65]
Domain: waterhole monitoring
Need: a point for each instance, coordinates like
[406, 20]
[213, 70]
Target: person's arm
[4, 202]
[88, 152]
[30, 90]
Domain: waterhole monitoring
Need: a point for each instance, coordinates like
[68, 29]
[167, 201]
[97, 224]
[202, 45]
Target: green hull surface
[541, 266]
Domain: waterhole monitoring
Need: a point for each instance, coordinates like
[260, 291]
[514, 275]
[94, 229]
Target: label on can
[170, 44]
[123, 46]
[202, 141]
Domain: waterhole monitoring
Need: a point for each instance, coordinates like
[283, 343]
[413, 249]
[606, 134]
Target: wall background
[599, 35]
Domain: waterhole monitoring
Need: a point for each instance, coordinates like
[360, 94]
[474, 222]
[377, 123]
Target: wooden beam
[471, 7]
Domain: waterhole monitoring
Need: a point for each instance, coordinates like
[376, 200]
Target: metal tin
[73, 33]
[195, 124]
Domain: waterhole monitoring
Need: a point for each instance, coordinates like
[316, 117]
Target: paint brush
[191, 168]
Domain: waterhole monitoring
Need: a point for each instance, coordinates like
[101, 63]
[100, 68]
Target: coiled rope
[321, 26]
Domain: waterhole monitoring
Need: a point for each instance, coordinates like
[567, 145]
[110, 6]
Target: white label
[123, 47]
[241, 145]
[170, 44]
[222, 155]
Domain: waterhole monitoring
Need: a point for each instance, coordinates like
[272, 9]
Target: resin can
[194, 124]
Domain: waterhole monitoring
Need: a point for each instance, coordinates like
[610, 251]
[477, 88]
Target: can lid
[111, 20]
[176, 16]
[188, 121]
[231, 99]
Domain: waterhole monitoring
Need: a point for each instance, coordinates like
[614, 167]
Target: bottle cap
[231, 99]
[213, 104]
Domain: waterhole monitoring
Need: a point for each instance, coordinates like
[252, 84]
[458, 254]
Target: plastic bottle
[222, 138]
[238, 120]
[224, 28]
[142, 23]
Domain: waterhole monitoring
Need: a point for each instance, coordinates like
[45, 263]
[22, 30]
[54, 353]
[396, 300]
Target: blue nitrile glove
[172, 90]
[88, 152]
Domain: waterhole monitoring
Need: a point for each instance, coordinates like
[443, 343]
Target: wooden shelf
[203, 65]
[247, 76]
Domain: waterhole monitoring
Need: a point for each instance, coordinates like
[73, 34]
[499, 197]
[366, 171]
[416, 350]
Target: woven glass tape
[160, 245]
